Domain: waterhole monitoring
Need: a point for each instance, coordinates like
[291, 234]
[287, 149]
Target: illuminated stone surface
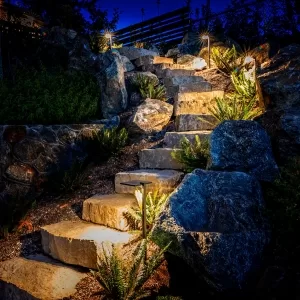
[172, 139]
[37, 277]
[195, 122]
[108, 210]
[163, 180]
[79, 243]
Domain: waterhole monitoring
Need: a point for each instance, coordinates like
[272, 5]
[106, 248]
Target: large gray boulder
[110, 75]
[133, 53]
[216, 225]
[243, 146]
[150, 117]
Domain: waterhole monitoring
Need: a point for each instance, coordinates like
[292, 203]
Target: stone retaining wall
[30, 154]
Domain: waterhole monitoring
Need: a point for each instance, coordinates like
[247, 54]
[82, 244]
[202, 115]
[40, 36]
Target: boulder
[173, 53]
[280, 78]
[127, 64]
[132, 76]
[110, 75]
[194, 62]
[133, 53]
[215, 221]
[150, 117]
[152, 60]
[243, 146]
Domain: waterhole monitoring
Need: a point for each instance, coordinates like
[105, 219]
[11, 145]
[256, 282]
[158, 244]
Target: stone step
[183, 80]
[203, 86]
[79, 243]
[165, 181]
[109, 210]
[150, 60]
[37, 277]
[172, 139]
[159, 158]
[195, 122]
[194, 102]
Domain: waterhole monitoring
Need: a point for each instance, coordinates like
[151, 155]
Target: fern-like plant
[226, 59]
[192, 155]
[155, 203]
[124, 278]
[245, 88]
[149, 87]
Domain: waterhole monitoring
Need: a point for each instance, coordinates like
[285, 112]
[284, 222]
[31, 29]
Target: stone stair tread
[165, 181]
[108, 210]
[195, 122]
[79, 242]
[172, 139]
[149, 60]
[37, 277]
[182, 80]
[158, 158]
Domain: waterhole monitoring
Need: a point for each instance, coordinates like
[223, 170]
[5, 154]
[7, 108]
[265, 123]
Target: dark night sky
[131, 9]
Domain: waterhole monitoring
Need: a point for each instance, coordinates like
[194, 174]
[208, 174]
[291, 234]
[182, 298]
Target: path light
[206, 37]
[108, 35]
[143, 184]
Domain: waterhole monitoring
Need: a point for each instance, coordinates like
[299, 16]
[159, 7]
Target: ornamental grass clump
[124, 277]
[192, 155]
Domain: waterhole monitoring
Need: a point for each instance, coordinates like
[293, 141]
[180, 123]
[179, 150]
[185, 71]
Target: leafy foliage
[155, 203]
[245, 88]
[192, 155]
[108, 142]
[45, 97]
[99, 43]
[149, 88]
[123, 278]
[226, 59]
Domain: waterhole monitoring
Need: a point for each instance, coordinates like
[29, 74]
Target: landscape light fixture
[143, 184]
[108, 35]
[206, 37]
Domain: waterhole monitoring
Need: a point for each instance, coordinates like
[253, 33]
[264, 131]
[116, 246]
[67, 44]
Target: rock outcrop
[215, 223]
[133, 53]
[110, 75]
[243, 146]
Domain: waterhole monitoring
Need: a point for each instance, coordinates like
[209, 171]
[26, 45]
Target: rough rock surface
[215, 222]
[243, 146]
[194, 62]
[159, 158]
[280, 78]
[110, 75]
[150, 60]
[150, 117]
[127, 64]
[108, 210]
[173, 139]
[80, 243]
[133, 53]
[37, 277]
[165, 181]
[195, 122]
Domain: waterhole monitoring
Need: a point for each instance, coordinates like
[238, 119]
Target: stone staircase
[73, 244]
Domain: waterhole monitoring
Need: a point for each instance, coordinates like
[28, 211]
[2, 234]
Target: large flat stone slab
[150, 60]
[203, 86]
[159, 158]
[172, 139]
[195, 122]
[194, 102]
[162, 70]
[163, 180]
[182, 80]
[79, 243]
[37, 277]
[108, 210]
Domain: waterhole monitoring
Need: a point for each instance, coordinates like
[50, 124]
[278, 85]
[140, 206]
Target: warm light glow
[205, 37]
[108, 35]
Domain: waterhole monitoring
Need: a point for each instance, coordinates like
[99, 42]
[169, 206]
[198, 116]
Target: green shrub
[245, 88]
[107, 142]
[48, 97]
[192, 155]
[227, 60]
[149, 88]
[155, 203]
[123, 278]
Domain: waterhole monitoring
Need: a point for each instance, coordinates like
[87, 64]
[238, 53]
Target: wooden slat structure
[167, 27]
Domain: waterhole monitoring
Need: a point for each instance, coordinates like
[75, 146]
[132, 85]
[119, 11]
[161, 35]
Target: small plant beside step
[192, 155]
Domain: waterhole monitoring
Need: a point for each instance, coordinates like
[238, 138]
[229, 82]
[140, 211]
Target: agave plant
[192, 155]
[124, 278]
[154, 205]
